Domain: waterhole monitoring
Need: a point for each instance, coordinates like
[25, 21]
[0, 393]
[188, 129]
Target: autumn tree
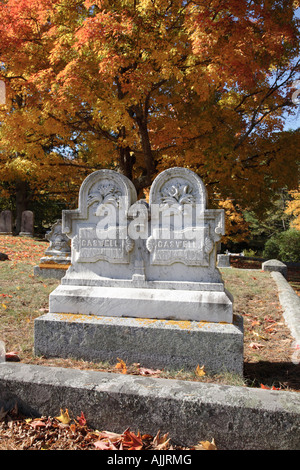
[140, 86]
[293, 208]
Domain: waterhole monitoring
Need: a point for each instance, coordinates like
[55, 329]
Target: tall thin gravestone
[27, 224]
[144, 277]
[6, 223]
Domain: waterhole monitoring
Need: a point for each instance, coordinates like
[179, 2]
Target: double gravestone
[143, 283]
[27, 223]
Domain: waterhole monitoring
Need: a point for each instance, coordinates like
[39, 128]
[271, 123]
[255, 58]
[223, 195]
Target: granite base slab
[158, 344]
[211, 306]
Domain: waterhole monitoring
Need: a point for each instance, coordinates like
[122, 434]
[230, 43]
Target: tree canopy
[140, 86]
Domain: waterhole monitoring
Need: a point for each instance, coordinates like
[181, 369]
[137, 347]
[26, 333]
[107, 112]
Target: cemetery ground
[268, 345]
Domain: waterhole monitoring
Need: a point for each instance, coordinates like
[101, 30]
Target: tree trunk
[127, 161]
[146, 148]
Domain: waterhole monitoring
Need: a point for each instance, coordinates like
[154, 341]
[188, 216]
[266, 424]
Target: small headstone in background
[27, 224]
[6, 223]
[223, 261]
[57, 256]
[275, 265]
[60, 244]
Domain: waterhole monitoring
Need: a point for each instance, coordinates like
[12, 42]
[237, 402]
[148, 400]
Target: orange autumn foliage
[236, 227]
[143, 86]
[293, 208]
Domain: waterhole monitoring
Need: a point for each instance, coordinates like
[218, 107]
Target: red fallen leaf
[131, 441]
[269, 319]
[12, 356]
[264, 387]
[268, 388]
[81, 419]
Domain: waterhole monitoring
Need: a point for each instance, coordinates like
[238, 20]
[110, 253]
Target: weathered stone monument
[6, 223]
[57, 257]
[27, 224]
[143, 283]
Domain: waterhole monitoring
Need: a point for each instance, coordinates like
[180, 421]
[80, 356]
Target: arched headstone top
[100, 188]
[106, 186]
[178, 186]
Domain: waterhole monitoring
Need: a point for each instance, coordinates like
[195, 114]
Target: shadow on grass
[284, 375]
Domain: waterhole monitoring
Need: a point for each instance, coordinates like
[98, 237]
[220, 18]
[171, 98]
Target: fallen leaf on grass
[145, 371]
[270, 327]
[259, 336]
[268, 388]
[122, 366]
[256, 345]
[269, 319]
[199, 371]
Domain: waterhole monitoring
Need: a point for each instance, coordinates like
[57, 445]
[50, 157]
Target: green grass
[24, 297]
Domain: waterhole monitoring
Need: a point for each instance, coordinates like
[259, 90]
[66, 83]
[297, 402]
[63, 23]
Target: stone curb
[238, 418]
[290, 303]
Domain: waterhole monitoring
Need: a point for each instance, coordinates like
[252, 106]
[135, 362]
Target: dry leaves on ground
[65, 433]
